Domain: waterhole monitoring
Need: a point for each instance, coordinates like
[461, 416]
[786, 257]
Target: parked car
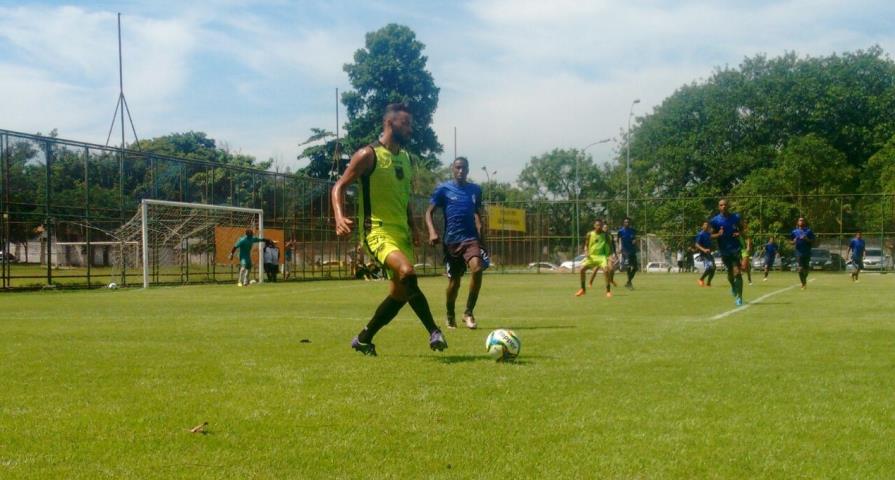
[543, 266]
[573, 264]
[875, 260]
[821, 259]
[7, 256]
[719, 264]
[658, 267]
[758, 262]
[838, 262]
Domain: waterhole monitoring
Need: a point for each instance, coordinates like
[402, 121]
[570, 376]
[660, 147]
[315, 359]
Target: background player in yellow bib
[597, 248]
[383, 172]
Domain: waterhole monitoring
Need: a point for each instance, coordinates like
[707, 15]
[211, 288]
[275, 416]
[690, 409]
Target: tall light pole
[578, 192]
[628, 162]
[488, 176]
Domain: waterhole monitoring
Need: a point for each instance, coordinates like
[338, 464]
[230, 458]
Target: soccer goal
[178, 239]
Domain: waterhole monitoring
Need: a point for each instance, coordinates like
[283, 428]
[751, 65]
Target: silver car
[875, 260]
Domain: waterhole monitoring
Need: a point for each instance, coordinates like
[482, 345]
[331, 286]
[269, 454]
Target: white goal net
[182, 241]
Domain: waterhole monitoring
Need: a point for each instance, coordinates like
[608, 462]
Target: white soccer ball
[113, 286]
[503, 345]
[253, 281]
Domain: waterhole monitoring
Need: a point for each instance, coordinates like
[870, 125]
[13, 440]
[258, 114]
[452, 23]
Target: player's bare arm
[430, 225]
[361, 164]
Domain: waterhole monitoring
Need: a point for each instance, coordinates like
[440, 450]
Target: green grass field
[106, 384]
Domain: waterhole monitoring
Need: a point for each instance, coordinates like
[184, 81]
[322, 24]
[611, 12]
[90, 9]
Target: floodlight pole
[628, 161]
[121, 105]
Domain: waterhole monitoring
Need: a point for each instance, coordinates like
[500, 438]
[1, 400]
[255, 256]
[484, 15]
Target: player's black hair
[394, 108]
[248, 232]
[463, 159]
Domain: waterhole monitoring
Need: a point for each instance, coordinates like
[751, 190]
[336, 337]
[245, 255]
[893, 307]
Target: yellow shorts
[381, 242]
[595, 261]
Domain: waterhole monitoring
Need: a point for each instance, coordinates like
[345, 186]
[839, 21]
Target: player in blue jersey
[461, 202]
[855, 253]
[703, 245]
[628, 247]
[769, 255]
[801, 238]
[726, 229]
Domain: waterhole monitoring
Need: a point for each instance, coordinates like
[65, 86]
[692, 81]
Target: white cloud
[518, 77]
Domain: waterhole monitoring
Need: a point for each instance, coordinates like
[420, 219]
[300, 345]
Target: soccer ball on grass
[503, 345]
[113, 286]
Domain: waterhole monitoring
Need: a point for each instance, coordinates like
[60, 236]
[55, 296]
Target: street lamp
[628, 162]
[578, 192]
[488, 176]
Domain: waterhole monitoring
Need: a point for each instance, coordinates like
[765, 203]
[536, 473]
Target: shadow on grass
[544, 327]
[452, 359]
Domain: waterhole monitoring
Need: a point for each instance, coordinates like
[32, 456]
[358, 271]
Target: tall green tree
[391, 68]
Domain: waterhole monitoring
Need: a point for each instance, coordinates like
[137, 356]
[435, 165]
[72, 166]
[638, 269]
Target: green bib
[385, 192]
[598, 244]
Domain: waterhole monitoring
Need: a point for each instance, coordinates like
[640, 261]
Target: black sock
[704, 274]
[711, 276]
[738, 285]
[419, 304]
[582, 284]
[749, 273]
[608, 288]
[630, 274]
[802, 277]
[471, 301]
[384, 314]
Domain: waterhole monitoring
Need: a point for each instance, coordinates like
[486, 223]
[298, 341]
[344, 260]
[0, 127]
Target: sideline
[757, 300]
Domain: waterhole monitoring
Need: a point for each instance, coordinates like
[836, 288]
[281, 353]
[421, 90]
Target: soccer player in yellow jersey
[597, 248]
[386, 224]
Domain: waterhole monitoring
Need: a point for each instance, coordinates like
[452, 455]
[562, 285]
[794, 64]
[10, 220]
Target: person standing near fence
[627, 238]
[802, 238]
[855, 253]
[271, 260]
[244, 245]
[383, 170]
[461, 203]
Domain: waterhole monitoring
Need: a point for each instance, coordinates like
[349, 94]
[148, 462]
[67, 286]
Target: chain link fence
[62, 202]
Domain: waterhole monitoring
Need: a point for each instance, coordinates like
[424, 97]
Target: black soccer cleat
[365, 348]
[437, 341]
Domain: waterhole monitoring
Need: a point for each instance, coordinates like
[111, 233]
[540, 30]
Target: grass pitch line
[757, 300]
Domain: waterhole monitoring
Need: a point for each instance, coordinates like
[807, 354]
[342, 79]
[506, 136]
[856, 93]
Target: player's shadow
[451, 359]
[544, 327]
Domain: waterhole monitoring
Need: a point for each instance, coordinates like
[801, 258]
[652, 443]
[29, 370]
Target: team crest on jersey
[399, 172]
[383, 161]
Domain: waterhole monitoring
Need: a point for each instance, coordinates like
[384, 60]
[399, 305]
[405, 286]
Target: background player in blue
[461, 203]
[628, 247]
[855, 253]
[704, 247]
[801, 238]
[769, 255]
[726, 229]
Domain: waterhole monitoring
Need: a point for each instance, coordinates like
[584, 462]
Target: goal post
[173, 234]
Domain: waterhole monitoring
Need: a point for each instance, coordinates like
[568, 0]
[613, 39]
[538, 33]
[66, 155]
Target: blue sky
[518, 77]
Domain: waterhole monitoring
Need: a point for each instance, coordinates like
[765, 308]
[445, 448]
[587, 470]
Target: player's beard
[400, 138]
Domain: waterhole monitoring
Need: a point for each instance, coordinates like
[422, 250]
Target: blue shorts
[768, 262]
[858, 263]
